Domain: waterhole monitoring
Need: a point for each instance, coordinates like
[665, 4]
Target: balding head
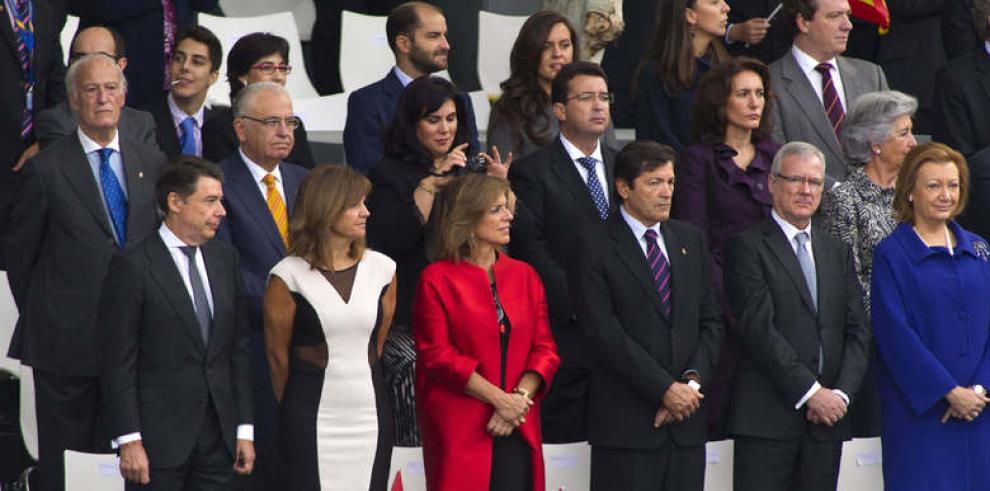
[98, 40]
[264, 123]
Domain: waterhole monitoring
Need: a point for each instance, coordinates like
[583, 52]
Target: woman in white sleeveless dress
[327, 310]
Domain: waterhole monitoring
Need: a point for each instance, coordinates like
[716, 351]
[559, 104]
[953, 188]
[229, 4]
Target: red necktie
[830, 98]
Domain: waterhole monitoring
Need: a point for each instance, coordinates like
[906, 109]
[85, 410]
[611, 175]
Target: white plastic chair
[303, 10]
[496, 34]
[718, 468]
[408, 461]
[229, 29]
[29, 416]
[68, 31]
[88, 471]
[364, 53]
[861, 468]
[326, 113]
[482, 109]
[567, 466]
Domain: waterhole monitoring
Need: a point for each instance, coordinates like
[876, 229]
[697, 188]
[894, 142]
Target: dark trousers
[512, 467]
[563, 411]
[672, 468]
[67, 409]
[209, 468]
[792, 465]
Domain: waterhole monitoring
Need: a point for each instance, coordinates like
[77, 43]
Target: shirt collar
[637, 227]
[171, 240]
[89, 145]
[258, 172]
[790, 231]
[178, 115]
[404, 79]
[575, 153]
[807, 63]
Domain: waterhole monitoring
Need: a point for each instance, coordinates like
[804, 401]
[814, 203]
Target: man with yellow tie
[259, 189]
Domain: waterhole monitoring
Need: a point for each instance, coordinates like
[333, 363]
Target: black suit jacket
[59, 245]
[961, 105]
[640, 352]
[166, 134]
[158, 377]
[554, 205]
[976, 217]
[780, 331]
[220, 139]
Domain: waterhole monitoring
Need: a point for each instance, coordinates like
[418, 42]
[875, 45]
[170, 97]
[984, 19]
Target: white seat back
[229, 29]
[496, 35]
[68, 32]
[326, 113]
[482, 109]
[89, 471]
[303, 10]
[364, 53]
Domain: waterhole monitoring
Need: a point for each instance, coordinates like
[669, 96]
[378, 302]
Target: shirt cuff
[245, 432]
[122, 439]
[842, 395]
[807, 395]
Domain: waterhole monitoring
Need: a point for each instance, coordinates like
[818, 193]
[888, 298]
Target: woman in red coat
[485, 354]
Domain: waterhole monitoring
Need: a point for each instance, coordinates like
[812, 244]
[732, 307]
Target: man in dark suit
[962, 93]
[24, 94]
[976, 216]
[417, 34]
[799, 318]
[812, 77]
[174, 344]
[179, 113]
[149, 27]
[252, 226]
[82, 200]
[558, 196]
[57, 122]
[656, 329]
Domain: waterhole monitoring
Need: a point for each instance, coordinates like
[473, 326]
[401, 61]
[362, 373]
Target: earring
[876, 150]
[910, 199]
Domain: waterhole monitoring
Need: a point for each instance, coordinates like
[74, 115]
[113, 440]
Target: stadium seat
[364, 52]
[496, 34]
[326, 113]
[68, 32]
[87, 471]
[482, 109]
[303, 10]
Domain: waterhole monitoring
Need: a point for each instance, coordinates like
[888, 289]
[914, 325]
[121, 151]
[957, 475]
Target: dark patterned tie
[113, 194]
[168, 18]
[830, 98]
[660, 269]
[203, 315]
[595, 186]
[24, 34]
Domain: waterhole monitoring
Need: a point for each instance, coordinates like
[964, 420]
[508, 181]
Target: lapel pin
[684, 251]
[140, 175]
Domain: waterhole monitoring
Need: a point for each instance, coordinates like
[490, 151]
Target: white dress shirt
[808, 64]
[574, 154]
[258, 173]
[91, 148]
[639, 230]
[178, 116]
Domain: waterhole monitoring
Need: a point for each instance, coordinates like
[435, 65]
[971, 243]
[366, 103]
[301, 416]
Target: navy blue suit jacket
[369, 112]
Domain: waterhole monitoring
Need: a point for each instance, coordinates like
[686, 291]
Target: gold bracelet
[421, 186]
[521, 391]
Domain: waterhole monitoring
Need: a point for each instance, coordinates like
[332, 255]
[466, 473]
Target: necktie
[830, 98]
[660, 269]
[807, 266]
[203, 315]
[188, 138]
[277, 207]
[22, 12]
[595, 186]
[114, 197]
[168, 19]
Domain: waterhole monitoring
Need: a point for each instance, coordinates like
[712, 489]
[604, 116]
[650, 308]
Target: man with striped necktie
[656, 328]
[259, 190]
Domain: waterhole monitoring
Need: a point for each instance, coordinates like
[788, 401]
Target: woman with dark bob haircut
[256, 57]
[722, 182]
[484, 351]
[931, 325]
[522, 119]
[425, 146]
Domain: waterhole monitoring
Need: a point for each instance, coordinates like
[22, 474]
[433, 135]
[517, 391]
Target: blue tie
[113, 194]
[594, 186]
[188, 139]
[660, 269]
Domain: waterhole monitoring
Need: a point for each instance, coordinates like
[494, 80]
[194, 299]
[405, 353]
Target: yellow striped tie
[277, 206]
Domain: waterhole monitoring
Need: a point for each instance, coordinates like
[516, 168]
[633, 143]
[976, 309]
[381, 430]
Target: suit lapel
[139, 183]
[827, 272]
[80, 177]
[676, 255]
[568, 176]
[244, 189]
[781, 248]
[290, 182]
[166, 273]
[632, 256]
[982, 63]
[800, 89]
[216, 272]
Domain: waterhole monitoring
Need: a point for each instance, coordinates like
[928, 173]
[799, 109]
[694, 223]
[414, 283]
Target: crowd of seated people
[775, 259]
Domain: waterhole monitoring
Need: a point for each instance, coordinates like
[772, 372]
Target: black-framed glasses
[272, 123]
[814, 182]
[586, 97]
[76, 55]
[268, 68]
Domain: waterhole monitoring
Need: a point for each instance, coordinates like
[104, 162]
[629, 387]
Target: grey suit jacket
[798, 113]
[59, 245]
[56, 122]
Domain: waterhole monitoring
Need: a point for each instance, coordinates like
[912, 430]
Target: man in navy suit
[262, 119]
[417, 34]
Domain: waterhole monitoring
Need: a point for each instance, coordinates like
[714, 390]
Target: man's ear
[623, 189]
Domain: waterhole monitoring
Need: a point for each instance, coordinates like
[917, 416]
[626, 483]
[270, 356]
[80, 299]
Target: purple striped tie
[830, 98]
[660, 269]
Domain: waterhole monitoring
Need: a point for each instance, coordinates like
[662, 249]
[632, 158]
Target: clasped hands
[825, 407]
[510, 412]
[965, 403]
[680, 401]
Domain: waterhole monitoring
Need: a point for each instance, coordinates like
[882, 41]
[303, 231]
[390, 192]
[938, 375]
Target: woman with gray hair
[876, 135]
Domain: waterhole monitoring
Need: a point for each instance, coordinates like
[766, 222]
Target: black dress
[512, 469]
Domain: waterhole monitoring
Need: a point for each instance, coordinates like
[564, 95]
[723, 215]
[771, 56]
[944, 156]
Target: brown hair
[908, 176]
[670, 52]
[461, 205]
[713, 93]
[323, 197]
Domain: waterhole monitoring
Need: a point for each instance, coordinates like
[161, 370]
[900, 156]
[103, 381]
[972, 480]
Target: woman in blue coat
[931, 321]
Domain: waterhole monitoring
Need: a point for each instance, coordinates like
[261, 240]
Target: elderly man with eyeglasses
[259, 189]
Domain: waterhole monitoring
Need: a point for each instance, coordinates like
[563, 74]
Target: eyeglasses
[813, 182]
[272, 123]
[76, 55]
[269, 68]
[586, 97]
